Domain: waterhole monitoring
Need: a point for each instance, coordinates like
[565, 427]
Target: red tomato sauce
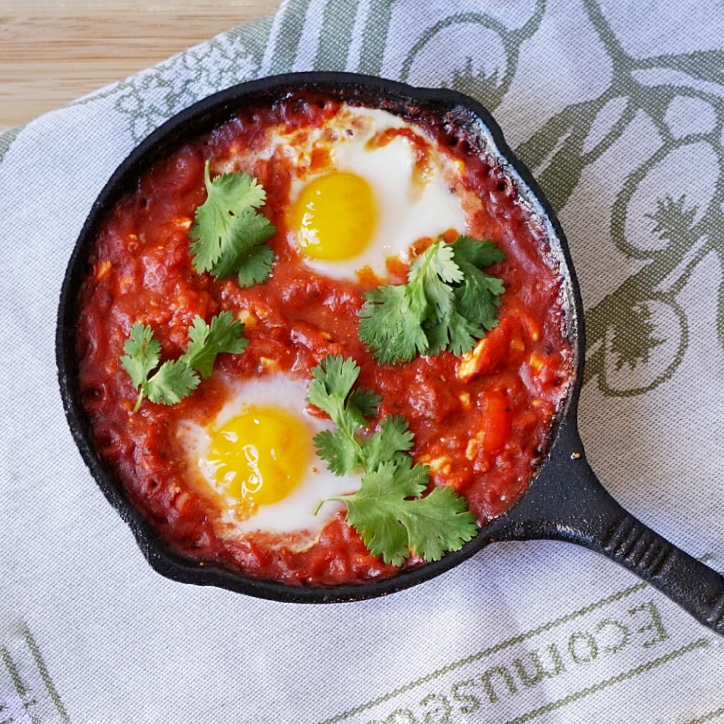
[481, 422]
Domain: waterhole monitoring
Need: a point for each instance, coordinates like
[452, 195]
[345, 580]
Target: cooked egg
[257, 456]
[380, 187]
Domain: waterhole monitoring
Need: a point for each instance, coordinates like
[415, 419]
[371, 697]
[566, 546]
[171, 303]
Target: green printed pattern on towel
[27, 691]
[570, 658]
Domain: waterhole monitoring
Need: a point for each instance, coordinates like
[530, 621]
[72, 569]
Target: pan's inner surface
[197, 121]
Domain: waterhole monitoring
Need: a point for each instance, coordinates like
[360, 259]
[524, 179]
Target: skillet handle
[567, 502]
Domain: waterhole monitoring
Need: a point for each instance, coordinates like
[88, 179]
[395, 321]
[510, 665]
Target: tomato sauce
[481, 421]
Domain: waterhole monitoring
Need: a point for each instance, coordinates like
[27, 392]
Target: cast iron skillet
[565, 501]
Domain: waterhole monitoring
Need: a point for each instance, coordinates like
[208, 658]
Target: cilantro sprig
[389, 511]
[228, 235]
[448, 303]
[171, 381]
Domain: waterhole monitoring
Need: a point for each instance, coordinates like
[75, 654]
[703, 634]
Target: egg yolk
[334, 217]
[260, 456]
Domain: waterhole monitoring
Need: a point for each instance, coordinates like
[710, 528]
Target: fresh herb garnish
[447, 303]
[175, 379]
[228, 235]
[388, 511]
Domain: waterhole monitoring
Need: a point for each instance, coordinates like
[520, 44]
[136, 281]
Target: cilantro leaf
[447, 303]
[340, 452]
[228, 236]
[394, 521]
[393, 437]
[478, 296]
[142, 353]
[376, 509]
[332, 384]
[434, 521]
[224, 334]
[390, 511]
[229, 197]
[255, 265]
[391, 323]
[478, 252]
[363, 403]
[437, 261]
[175, 379]
[330, 391]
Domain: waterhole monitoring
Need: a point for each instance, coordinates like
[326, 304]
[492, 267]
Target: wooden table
[54, 51]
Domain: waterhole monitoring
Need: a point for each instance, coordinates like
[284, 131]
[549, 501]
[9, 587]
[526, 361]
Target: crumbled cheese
[468, 366]
[472, 449]
[247, 318]
[269, 364]
[536, 362]
[443, 465]
[103, 268]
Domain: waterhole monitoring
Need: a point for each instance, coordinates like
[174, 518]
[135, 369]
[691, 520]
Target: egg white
[406, 211]
[295, 514]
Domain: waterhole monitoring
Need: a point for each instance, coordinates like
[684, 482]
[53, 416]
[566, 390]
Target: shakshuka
[230, 474]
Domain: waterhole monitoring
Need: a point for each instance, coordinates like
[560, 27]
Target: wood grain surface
[54, 51]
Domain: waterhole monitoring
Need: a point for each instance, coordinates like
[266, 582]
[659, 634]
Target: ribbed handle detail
[633, 543]
[650, 556]
[715, 618]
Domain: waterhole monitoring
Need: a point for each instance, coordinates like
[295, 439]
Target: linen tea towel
[618, 110]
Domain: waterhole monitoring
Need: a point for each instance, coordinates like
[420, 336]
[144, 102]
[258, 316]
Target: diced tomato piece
[497, 421]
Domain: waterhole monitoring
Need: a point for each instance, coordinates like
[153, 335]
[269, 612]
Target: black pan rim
[208, 113]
